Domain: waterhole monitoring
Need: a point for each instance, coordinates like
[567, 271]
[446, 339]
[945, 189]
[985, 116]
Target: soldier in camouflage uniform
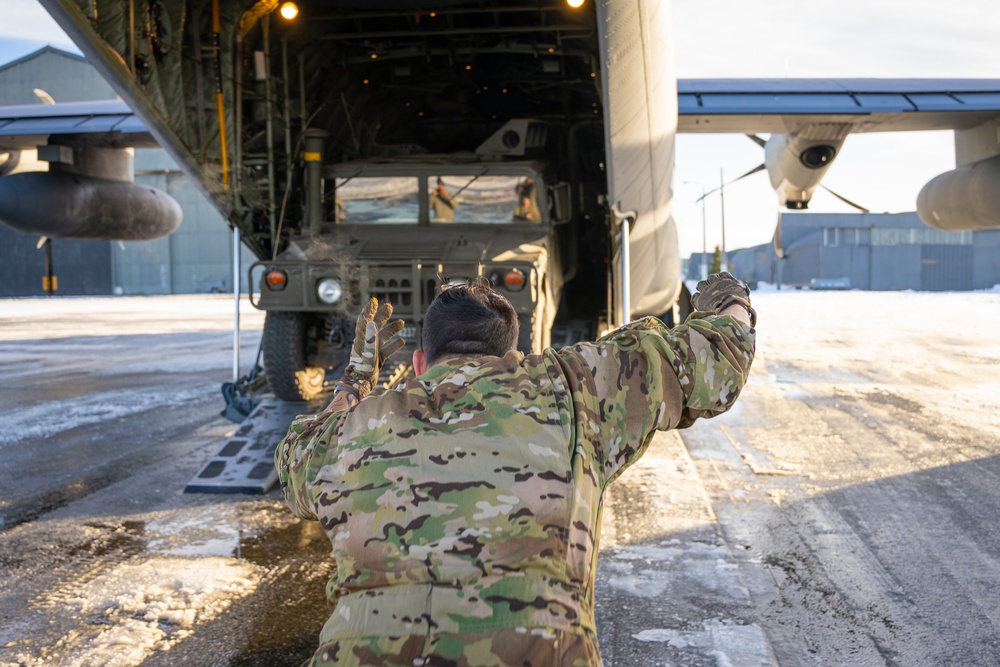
[463, 505]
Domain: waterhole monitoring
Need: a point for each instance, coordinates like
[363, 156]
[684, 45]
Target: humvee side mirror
[562, 203]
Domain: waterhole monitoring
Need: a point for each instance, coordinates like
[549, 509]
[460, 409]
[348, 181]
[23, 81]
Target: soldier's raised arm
[645, 377]
[310, 436]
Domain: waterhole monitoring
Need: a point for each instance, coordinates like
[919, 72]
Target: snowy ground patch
[137, 608]
[38, 422]
[732, 645]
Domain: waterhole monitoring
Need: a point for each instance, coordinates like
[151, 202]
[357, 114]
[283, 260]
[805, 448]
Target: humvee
[404, 228]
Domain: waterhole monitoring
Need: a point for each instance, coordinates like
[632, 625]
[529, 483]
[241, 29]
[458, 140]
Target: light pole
[704, 237]
[704, 229]
[722, 206]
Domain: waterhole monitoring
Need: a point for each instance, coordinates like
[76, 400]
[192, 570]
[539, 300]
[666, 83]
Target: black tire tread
[285, 360]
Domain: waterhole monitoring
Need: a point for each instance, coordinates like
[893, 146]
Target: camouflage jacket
[467, 500]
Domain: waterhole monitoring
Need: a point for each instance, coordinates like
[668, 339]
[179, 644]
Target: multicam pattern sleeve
[299, 447]
[645, 377]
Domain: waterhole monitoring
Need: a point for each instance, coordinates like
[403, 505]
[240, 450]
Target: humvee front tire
[286, 350]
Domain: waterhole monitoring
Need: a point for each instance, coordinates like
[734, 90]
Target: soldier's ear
[419, 362]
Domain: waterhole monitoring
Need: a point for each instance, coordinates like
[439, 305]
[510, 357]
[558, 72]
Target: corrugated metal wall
[986, 259]
[896, 267]
[946, 267]
[852, 262]
[81, 267]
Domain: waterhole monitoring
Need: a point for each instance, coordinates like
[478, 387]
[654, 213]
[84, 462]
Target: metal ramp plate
[245, 464]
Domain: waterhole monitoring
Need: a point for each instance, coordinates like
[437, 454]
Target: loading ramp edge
[245, 463]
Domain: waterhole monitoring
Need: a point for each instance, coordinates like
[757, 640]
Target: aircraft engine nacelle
[64, 205]
[967, 198]
[796, 163]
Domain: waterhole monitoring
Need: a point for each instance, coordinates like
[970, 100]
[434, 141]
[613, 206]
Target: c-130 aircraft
[383, 147]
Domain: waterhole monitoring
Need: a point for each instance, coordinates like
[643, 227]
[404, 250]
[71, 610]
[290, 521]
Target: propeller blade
[43, 96]
[760, 141]
[759, 167]
[845, 200]
[779, 250]
[11, 159]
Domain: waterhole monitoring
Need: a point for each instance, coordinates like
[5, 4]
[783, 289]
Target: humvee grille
[397, 291]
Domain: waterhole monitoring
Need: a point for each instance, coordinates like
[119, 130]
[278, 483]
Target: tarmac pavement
[844, 512]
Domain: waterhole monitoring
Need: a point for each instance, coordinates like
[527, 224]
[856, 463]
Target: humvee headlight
[329, 290]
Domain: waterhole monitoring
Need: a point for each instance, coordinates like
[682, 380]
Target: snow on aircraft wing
[869, 105]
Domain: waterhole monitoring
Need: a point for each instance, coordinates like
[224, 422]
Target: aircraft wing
[809, 119]
[109, 122]
[88, 190]
[705, 106]
[784, 106]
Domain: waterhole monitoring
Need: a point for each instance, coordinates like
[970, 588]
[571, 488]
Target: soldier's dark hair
[469, 319]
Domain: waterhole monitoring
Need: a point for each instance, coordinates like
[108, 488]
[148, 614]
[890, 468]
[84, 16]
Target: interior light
[575, 4]
[289, 10]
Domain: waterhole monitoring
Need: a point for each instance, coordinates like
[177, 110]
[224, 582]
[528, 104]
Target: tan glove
[721, 290]
[372, 346]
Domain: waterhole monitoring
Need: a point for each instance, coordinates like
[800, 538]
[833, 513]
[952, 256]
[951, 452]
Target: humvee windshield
[364, 200]
[462, 199]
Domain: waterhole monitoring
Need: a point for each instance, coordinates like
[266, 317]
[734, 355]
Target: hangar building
[871, 251]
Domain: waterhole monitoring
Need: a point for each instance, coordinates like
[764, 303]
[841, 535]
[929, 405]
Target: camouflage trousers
[532, 647]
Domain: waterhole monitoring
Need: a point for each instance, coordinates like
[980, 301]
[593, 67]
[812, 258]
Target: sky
[772, 39]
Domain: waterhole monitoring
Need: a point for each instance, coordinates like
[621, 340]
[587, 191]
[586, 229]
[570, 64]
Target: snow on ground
[59, 317]
[139, 607]
[190, 571]
[186, 334]
[731, 644]
[825, 333]
[38, 422]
